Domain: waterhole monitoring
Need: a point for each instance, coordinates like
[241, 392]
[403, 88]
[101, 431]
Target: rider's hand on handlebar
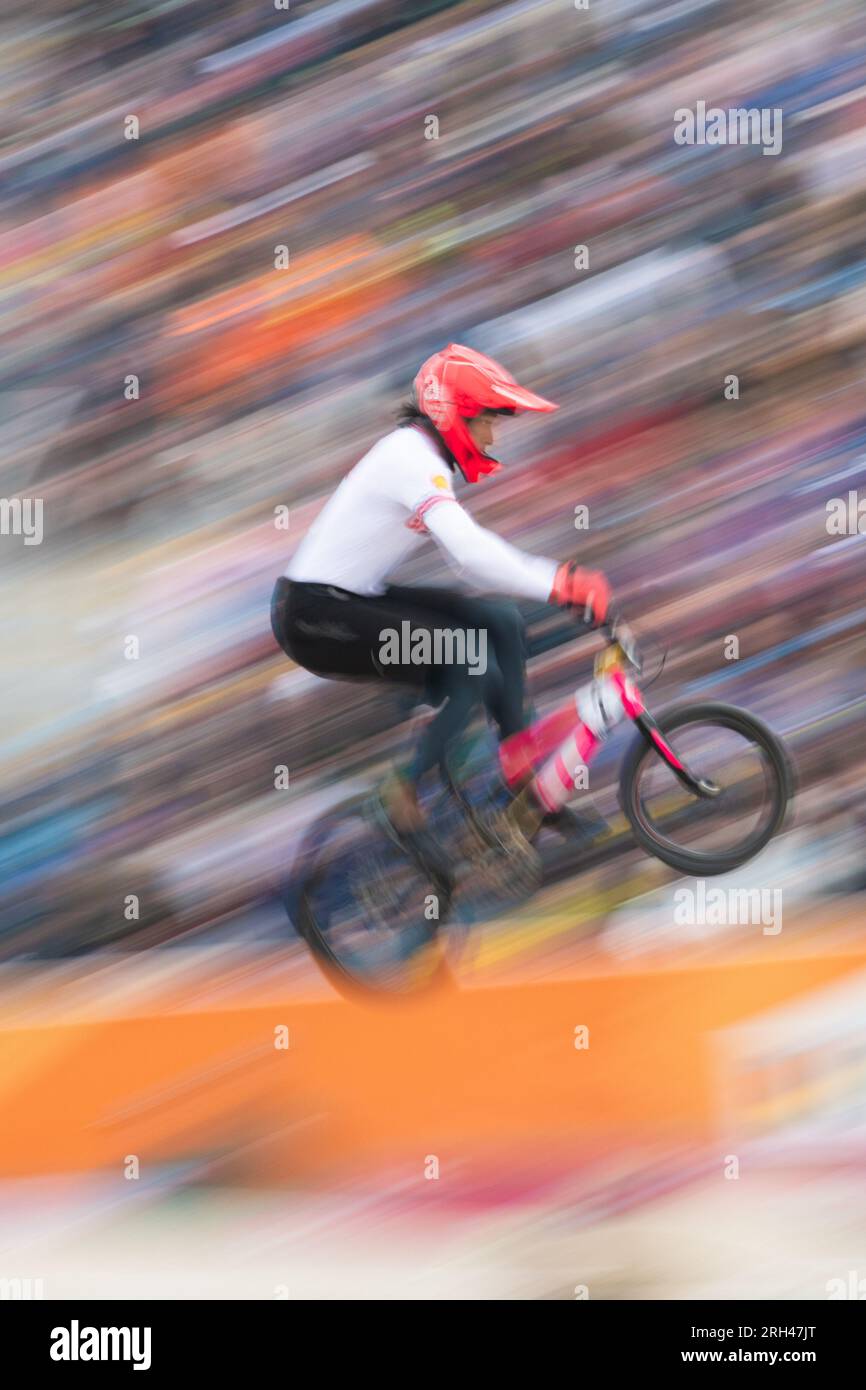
[588, 590]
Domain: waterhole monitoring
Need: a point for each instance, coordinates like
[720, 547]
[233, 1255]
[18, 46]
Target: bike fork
[698, 786]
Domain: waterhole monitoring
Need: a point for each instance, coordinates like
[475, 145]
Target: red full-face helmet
[457, 384]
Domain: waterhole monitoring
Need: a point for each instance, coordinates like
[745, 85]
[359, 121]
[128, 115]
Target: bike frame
[548, 756]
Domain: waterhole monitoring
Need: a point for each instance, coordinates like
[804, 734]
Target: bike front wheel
[729, 748]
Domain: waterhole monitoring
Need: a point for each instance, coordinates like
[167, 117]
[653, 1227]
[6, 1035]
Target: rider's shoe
[581, 826]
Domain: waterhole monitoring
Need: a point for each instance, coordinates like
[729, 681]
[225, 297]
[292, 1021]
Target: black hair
[409, 414]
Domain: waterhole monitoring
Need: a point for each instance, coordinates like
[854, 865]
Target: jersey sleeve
[422, 484]
[420, 481]
[487, 559]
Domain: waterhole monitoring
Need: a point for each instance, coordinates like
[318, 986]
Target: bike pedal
[510, 873]
[510, 845]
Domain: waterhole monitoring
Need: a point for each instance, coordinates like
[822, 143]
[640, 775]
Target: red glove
[577, 588]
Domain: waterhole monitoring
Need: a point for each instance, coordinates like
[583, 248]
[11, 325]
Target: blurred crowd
[231, 232]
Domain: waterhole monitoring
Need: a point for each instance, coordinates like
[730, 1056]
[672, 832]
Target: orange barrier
[361, 1086]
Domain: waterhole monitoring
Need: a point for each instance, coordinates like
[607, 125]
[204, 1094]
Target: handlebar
[618, 633]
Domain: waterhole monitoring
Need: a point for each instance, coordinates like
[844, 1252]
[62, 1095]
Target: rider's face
[481, 428]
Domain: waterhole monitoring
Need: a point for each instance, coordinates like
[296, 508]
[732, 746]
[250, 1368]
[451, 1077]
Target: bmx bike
[703, 787]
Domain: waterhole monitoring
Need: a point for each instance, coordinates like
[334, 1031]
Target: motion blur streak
[229, 236]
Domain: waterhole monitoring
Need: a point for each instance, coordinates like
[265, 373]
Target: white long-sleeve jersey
[397, 494]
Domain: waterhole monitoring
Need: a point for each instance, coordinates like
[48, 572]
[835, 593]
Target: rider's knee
[453, 682]
[507, 633]
[504, 621]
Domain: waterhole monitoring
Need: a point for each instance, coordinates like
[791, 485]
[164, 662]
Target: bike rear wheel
[728, 747]
[367, 911]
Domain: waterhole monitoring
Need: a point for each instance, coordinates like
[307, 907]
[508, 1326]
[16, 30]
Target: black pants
[332, 632]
